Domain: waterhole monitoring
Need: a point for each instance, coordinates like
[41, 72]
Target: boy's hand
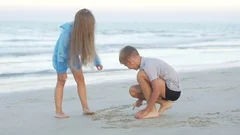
[138, 103]
[99, 67]
[142, 113]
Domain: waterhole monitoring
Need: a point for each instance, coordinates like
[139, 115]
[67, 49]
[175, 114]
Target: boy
[158, 82]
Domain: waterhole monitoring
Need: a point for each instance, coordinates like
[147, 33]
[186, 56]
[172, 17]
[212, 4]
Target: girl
[75, 48]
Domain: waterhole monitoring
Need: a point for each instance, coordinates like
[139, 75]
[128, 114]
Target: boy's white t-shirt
[156, 68]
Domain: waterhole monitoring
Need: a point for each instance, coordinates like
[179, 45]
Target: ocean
[27, 47]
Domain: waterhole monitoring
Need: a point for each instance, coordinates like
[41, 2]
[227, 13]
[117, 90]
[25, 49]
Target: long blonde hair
[82, 38]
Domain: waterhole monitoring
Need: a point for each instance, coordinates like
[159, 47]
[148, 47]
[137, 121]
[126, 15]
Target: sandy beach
[209, 104]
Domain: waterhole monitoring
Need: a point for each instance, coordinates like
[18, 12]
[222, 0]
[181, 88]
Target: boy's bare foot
[87, 112]
[61, 115]
[165, 106]
[151, 114]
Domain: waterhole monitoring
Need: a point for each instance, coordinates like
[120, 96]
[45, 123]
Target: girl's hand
[99, 67]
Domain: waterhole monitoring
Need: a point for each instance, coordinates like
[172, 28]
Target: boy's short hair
[127, 52]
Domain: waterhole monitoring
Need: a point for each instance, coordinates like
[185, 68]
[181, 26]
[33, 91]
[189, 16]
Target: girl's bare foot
[165, 106]
[87, 112]
[61, 115]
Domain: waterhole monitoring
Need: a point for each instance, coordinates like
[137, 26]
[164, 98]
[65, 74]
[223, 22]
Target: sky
[122, 10]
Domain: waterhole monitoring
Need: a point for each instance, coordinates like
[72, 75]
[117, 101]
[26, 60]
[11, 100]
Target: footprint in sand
[215, 113]
[116, 117]
[237, 110]
[200, 121]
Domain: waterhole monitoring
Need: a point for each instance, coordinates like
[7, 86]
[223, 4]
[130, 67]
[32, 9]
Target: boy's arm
[155, 94]
[152, 100]
[152, 73]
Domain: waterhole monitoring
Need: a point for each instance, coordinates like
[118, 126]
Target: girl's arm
[97, 61]
[62, 56]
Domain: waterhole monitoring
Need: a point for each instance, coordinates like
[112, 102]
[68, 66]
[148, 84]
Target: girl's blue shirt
[61, 51]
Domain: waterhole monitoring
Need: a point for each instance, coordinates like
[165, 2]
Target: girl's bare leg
[82, 93]
[58, 94]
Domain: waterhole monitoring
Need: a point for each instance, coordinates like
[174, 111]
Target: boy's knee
[133, 91]
[142, 75]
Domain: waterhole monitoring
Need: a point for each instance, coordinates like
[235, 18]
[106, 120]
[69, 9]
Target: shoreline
[29, 84]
